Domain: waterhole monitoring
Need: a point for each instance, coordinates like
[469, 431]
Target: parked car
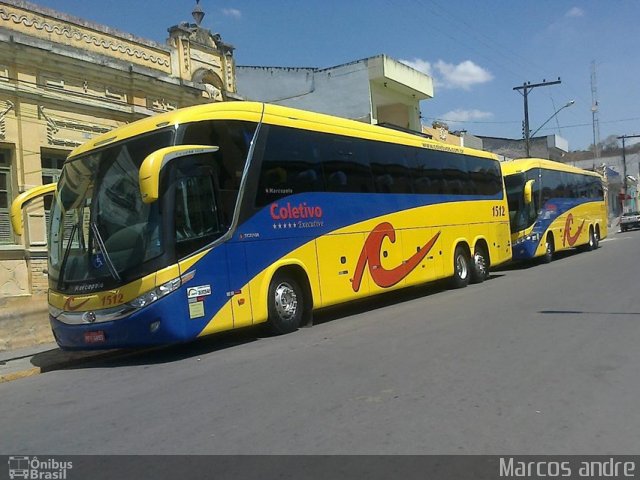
[629, 220]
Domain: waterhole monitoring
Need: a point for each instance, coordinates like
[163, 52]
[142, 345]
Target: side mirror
[21, 200]
[528, 192]
[149, 176]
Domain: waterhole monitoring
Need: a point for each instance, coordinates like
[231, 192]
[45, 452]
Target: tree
[609, 143]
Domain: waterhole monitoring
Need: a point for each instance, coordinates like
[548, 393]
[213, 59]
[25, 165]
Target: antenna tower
[594, 110]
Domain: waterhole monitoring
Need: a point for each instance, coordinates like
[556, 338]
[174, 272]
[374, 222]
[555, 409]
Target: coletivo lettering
[287, 212]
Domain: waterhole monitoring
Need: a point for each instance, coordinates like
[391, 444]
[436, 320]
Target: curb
[9, 377]
[54, 364]
[62, 363]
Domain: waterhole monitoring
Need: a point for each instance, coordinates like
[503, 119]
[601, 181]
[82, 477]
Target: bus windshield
[519, 213]
[100, 228]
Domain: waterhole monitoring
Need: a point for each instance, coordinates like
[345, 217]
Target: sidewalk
[29, 361]
[24, 322]
[27, 346]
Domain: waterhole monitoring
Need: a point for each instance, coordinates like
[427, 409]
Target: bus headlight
[534, 237]
[155, 294]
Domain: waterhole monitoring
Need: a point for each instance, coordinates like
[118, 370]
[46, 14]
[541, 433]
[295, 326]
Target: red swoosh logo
[568, 238]
[68, 307]
[371, 255]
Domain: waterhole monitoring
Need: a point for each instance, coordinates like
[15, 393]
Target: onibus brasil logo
[38, 469]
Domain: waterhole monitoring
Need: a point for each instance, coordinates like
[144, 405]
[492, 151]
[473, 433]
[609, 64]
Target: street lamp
[568, 104]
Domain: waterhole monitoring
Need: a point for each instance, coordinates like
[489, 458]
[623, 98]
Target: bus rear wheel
[592, 240]
[461, 268]
[286, 304]
[480, 266]
[591, 243]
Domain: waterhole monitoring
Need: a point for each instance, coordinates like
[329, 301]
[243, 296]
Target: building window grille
[6, 181]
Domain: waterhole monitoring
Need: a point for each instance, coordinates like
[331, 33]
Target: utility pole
[624, 161]
[526, 87]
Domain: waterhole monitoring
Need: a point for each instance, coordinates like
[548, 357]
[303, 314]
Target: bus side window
[389, 166]
[346, 165]
[290, 165]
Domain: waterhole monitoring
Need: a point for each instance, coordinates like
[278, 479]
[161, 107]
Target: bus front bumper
[150, 326]
[525, 249]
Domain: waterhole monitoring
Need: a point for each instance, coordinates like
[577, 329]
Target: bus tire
[597, 237]
[549, 249]
[591, 245]
[480, 265]
[461, 268]
[286, 304]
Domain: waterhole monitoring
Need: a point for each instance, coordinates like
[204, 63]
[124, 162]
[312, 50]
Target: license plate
[94, 337]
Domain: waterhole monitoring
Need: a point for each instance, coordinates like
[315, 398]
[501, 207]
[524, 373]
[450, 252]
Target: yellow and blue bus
[231, 214]
[553, 207]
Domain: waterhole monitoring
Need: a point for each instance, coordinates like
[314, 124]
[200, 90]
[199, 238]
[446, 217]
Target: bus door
[197, 224]
[239, 293]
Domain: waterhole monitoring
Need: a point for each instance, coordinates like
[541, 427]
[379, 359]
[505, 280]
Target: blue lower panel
[132, 331]
[125, 333]
[525, 250]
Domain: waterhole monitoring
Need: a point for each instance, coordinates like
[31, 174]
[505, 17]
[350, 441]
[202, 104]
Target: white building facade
[375, 90]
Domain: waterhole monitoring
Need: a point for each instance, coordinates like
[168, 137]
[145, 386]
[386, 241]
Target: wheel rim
[481, 264]
[549, 251]
[461, 267]
[286, 301]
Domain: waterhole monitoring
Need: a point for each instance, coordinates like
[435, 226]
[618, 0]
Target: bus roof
[523, 164]
[273, 115]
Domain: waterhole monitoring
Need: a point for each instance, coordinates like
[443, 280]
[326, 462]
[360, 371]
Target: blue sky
[476, 51]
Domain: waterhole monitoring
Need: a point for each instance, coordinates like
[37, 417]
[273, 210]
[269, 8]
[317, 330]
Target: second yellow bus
[553, 207]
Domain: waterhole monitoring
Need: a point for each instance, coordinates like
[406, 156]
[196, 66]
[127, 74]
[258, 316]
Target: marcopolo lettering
[289, 212]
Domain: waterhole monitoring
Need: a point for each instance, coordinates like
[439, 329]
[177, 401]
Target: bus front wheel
[461, 268]
[549, 249]
[286, 304]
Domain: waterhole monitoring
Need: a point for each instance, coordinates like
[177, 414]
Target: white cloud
[463, 75]
[574, 12]
[460, 116]
[232, 12]
[449, 75]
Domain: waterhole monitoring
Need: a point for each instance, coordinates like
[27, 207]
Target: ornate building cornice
[83, 37]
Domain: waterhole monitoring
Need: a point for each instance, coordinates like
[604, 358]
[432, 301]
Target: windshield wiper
[103, 249]
[66, 256]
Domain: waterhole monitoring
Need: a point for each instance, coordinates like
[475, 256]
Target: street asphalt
[539, 359]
